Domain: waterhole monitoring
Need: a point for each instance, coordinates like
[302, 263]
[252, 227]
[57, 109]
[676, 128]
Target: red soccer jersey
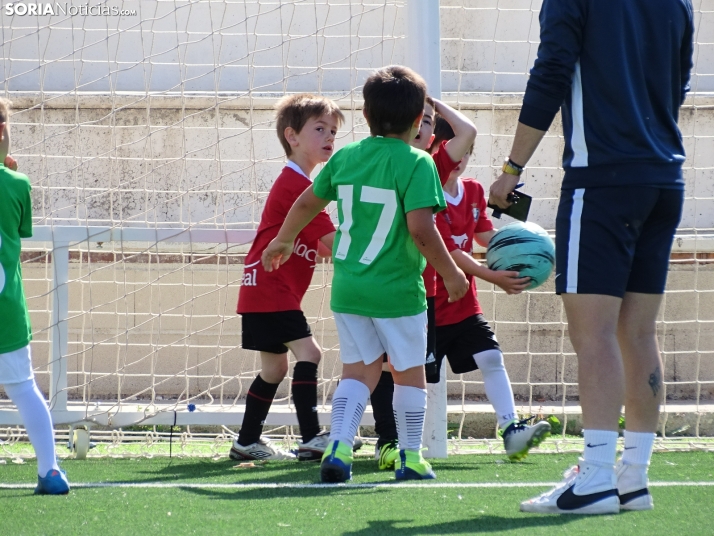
[444, 166]
[464, 216]
[282, 289]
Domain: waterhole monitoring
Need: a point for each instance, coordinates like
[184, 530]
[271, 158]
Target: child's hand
[10, 163]
[457, 286]
[275, 254]
[509, 281]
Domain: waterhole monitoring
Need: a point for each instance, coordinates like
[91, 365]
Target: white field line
[269, 485]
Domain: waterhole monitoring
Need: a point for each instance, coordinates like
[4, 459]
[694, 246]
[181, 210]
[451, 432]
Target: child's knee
[14, 390]
[274, 370]
[489, 360]
[306, 350]
[310, 354]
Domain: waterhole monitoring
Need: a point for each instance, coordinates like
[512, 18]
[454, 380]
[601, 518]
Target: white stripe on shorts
[576, 214]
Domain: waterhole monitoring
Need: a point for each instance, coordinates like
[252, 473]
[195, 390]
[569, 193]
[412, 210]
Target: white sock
[600, 446]
[409, 405]
[38, 422]
[348, 405]
[638, 447]
[497, 385]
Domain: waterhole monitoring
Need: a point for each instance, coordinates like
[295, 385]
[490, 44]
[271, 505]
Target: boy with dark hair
[269, 302]
[447, 154]
[386, 192]
[16, 374]
[462, 333]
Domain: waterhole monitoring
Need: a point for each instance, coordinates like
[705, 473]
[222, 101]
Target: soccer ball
[524, 248]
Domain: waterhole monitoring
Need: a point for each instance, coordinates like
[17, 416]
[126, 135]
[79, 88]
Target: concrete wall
[168, 161]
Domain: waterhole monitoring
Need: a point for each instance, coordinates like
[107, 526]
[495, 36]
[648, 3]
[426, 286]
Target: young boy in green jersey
[387, 193]
[16, 374]
[447, 154]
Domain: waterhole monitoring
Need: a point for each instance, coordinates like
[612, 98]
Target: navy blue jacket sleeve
[687, 51]
[561, 36]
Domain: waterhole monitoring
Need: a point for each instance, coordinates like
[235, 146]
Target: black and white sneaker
[632, 486]
[263, 449]
[312, 451]
[519, 438]
[588, 488]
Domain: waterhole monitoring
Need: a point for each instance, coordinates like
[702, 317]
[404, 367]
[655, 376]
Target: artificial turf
[337, 510]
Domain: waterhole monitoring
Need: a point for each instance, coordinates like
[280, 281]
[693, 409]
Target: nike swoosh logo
[598, 445]
[557, 276]
[627, 497]
[570, 501]
[630, 448]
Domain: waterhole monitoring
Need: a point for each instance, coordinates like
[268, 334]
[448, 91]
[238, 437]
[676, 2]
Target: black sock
[305, 399]
[257, 405]
[381, 398]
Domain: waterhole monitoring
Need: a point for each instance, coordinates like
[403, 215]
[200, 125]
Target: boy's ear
[291, 136]
[364, 114]
[417, 121]
[2, 129]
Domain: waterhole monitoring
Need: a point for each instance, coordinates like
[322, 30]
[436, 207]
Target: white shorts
[365, 339]
[16, 367]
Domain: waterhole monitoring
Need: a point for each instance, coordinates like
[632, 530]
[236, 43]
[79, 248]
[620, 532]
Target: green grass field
[203, 496]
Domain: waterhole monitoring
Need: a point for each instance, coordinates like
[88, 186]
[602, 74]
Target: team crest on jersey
[476, 211]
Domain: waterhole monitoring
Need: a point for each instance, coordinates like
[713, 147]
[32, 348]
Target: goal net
[147, 132]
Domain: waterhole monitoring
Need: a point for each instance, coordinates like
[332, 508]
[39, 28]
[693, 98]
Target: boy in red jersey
[462, 334]
[447, 153]
[269, 302]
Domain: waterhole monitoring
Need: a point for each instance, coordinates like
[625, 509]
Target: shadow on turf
[281, 472]
[480, 524]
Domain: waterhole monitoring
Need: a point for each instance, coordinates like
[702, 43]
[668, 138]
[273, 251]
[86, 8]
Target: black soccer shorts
[461, 341]
[268, 332]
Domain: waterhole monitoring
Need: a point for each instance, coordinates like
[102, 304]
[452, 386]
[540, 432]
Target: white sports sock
[348, 405]
[38, 422]
[497, 385]
[409, 405]
[638, 448]
[600, 446]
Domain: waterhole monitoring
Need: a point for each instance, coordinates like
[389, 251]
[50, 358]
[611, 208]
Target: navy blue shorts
[613, 240]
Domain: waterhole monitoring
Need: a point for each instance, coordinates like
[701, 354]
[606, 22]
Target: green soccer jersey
[15, 223]
[378, 267]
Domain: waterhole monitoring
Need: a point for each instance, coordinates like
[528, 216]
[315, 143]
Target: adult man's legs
[592, 487]
[592, 324]
[637, 335]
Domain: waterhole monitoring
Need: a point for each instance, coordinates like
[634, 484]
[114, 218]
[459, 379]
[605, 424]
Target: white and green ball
[524, 248]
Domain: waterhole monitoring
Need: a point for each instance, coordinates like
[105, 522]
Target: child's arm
[428, 241]
[324, 246]
[463, 127]
[507, 280]
[306, 207]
